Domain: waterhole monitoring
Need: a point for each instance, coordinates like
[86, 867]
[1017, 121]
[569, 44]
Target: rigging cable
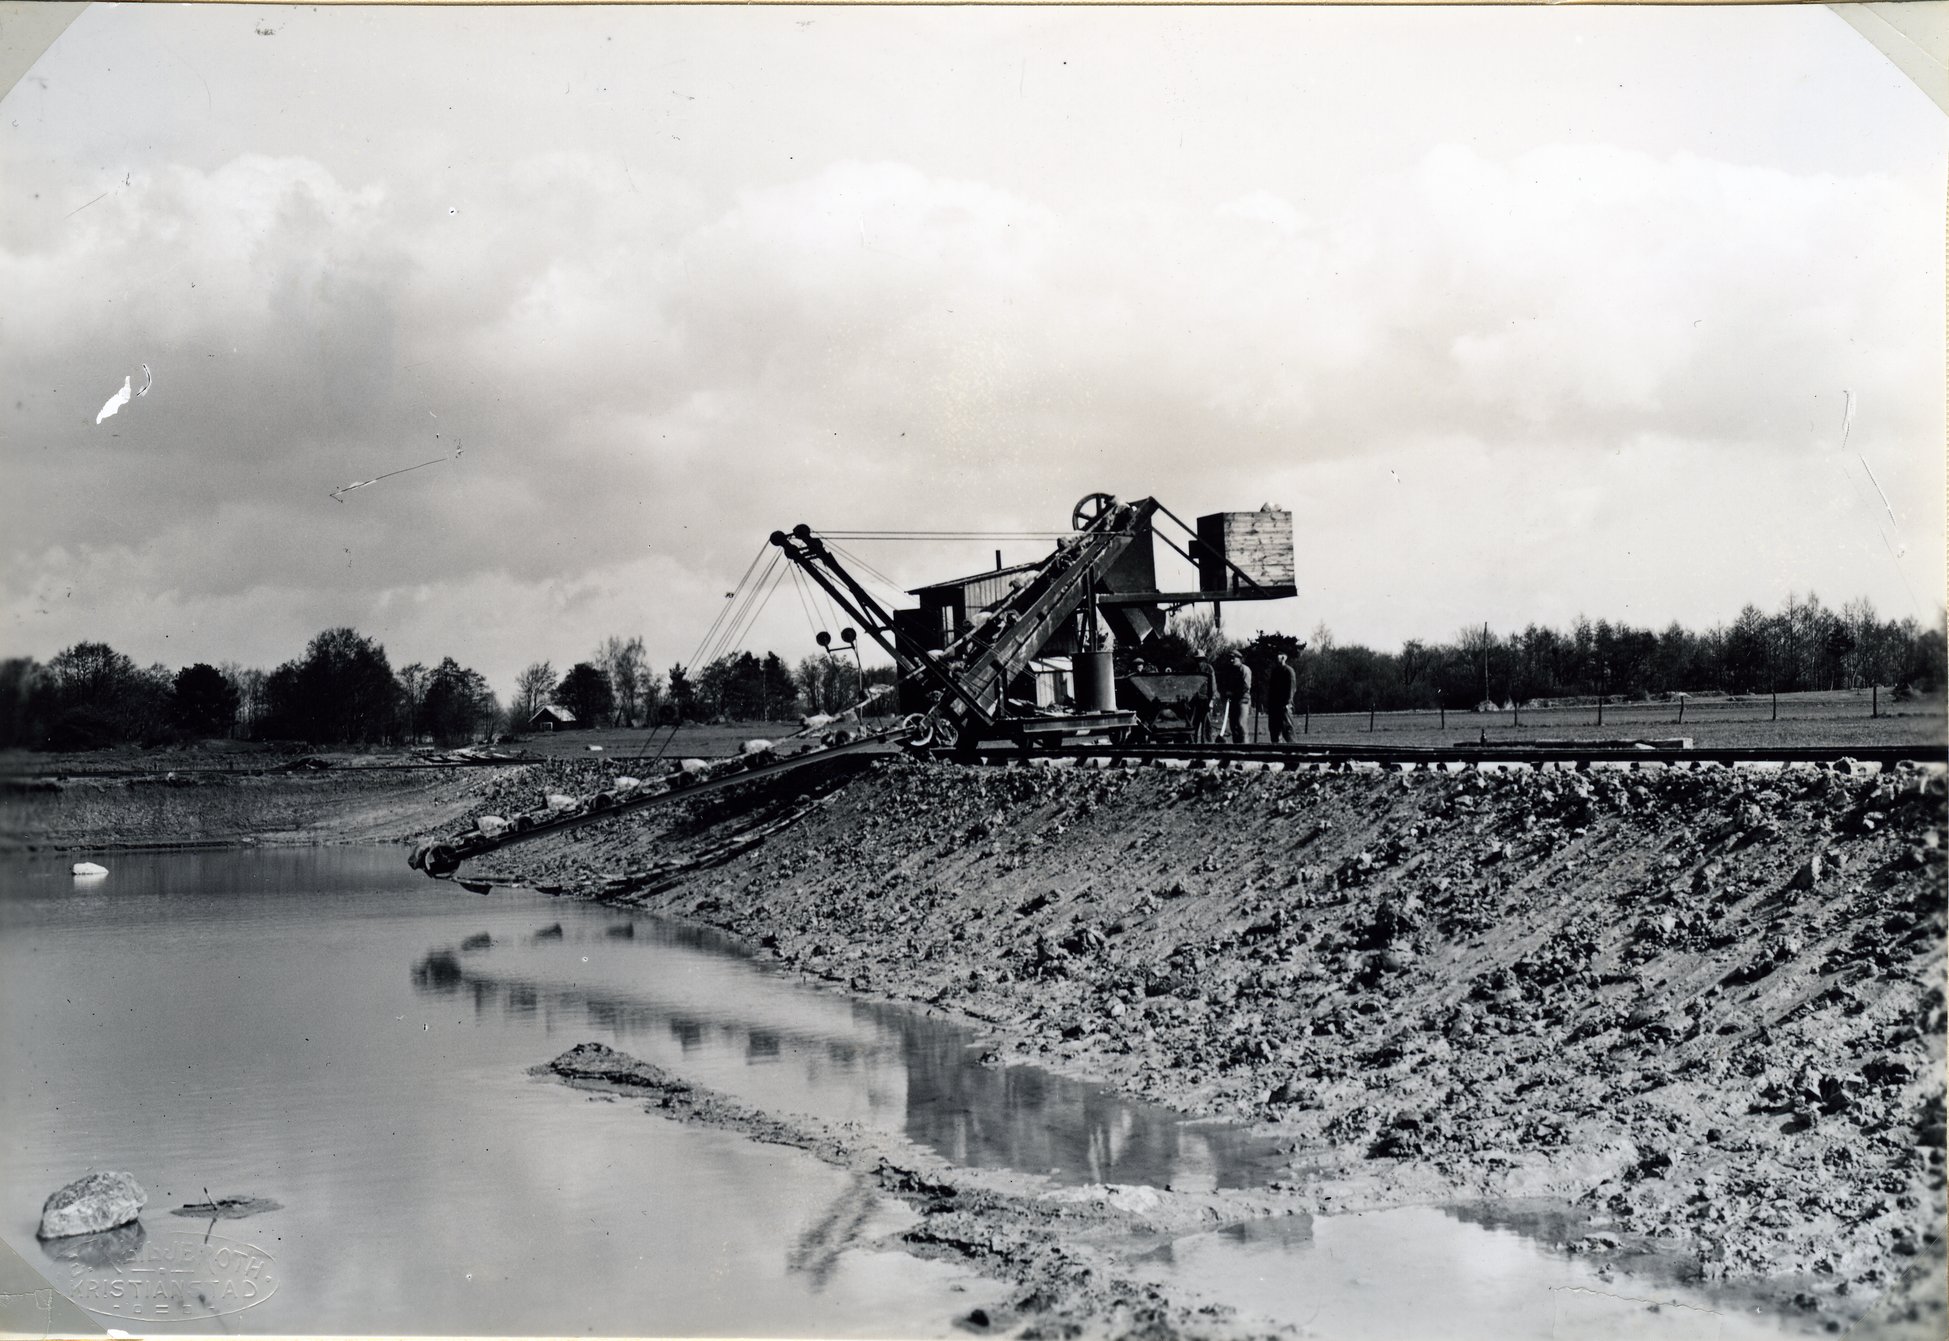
[730, 598]
[798, 585]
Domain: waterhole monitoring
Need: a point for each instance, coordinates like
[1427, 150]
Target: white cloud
[647, 385]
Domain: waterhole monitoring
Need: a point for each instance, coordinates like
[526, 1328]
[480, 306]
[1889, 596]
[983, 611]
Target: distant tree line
[617, 686]
[1804, 645]
[344, 691]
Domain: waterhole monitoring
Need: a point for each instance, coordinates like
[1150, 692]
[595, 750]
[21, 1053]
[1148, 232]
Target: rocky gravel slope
[1704, 1006]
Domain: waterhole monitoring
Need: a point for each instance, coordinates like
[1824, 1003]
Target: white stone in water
[89, 868]
[91, 1204]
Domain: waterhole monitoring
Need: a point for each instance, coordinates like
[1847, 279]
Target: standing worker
[1204, 703]
[1281, 688]
[1235, 694]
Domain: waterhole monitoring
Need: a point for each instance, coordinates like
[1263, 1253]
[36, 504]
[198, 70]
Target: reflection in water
[1026, 1118]
[1284, 1231]
[104, 1248]
[1275, 1234]
[1542, 1221]
[1476, 1274]
[916, 1073]
[439, 971]
[816, 1253]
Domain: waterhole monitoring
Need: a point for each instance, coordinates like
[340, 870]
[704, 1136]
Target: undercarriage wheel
[919, 730]
[1090, 507]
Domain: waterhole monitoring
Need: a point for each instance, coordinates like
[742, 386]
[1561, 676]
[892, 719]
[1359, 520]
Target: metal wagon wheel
[1089, 508]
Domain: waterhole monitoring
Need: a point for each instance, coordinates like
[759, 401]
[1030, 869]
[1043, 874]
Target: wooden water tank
[1258, 543]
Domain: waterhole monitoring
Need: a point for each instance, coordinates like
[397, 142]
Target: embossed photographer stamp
[176, 1275]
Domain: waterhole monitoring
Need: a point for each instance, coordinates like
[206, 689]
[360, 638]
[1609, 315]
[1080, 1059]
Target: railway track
[1492, 754]
[440, 858]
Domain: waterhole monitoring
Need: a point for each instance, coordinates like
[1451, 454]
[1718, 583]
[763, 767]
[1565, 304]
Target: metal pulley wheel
[1090, 507]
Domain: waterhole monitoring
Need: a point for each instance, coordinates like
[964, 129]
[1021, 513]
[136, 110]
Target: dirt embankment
[296, 806]
[1707, 1006]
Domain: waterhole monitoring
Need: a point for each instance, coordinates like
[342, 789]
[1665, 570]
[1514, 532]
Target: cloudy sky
[1521, 313]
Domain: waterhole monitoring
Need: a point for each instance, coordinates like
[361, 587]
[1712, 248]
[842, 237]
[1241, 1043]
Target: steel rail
[1490, 753]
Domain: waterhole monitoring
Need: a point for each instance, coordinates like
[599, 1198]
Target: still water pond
[304, 1025]
[324, 1028]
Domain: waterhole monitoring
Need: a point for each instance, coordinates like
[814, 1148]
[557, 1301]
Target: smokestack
[998, 561]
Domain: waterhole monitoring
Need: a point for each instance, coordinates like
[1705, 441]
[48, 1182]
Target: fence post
[1776, 703]
[1370, 716]
[1600, 710]
[1516, 706]
[1444, 713]
[1681, 710]
[1875, 690]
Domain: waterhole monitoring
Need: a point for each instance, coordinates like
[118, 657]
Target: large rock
[91, 1204]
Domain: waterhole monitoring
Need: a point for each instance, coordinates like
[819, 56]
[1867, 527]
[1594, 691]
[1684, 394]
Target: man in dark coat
[1281, 687]
[1204, 704]
[1235, 695]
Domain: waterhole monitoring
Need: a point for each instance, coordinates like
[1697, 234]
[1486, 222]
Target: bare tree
[533, 689]
[1476, 644]
[624, 662]
[249, 685]
[1200, 632]
[413, 681]
[649, 693]
[1417, 658]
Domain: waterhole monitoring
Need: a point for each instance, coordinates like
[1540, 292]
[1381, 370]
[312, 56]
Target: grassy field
[1837, 717]
[1840, 717]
